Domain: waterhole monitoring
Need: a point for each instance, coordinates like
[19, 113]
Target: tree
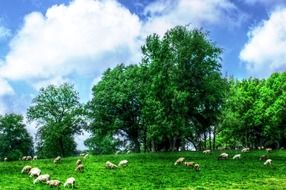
[60, 116]
[15, 141]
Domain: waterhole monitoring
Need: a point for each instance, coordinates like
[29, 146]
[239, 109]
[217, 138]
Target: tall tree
[60, 116]
[15, 141]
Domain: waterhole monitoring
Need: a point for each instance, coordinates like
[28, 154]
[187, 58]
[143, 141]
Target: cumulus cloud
[5, 88]
[265, 51]
[163, 14]
[71, 38]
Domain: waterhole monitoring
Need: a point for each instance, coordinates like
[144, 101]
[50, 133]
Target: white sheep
[81, 154]
[223, 156]
[197, 167]
[268, 162]
[24, 157]
[179, 160]
[263, 157]
[78, 162]
[70, 182]
[26, 169]
[207, 151]
[191, 164]
[79, 168]
[42, 178]
[237, 156]
[110, 165]
[123, 163]
[29, 158]
[35, 158]
[245, 150]
[268, 149]
[35, 172]
[85, 156]
[57, 159]
[54, 183]
[5, 159]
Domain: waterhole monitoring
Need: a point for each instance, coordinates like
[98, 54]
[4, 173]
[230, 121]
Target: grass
[156, 171]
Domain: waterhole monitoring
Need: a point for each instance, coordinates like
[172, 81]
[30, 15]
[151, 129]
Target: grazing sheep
[245, 150]
[79, 168]
[223, 156]
[128, 152]
[5, 159]
[54, 183]
[70, 182]
[24, 157]
[117, 152]
[42, 178]
[207, 151]
[110, 165]
[263, 157]
[85, 156]
[78, 162]
[82, 154]
[189, 164]
[179, 161]
[197, 167]
[268, 162]
[57, 159]
[35, 158]
[29, 158]
[34, 172]
[26, 169]
[123, 163]
[268, 149]
[237, 156]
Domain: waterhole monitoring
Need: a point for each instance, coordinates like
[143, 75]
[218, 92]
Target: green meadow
[155, 171]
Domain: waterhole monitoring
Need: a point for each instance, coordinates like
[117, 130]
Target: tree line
[175, 97]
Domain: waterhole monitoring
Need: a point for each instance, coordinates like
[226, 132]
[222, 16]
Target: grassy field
[156, 171]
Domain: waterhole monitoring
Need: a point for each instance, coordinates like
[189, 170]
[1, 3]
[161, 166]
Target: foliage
[59, 115]
[15, 140]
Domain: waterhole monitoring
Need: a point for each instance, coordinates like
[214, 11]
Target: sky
[46, 42]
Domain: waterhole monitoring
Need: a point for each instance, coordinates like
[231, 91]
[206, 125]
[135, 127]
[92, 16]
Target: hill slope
[156, 171]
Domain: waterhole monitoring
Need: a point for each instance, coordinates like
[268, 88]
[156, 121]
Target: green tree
[15, 141]
[60, 116]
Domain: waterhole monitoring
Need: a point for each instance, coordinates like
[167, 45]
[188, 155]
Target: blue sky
[53, 41]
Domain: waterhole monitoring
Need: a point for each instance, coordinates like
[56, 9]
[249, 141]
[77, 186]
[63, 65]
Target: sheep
[191, 164]
[223, 156]
[54, 183]
[197, 167]
[260, 147]
[245, 150]
[35, 158]
[42, 178]
[5, 159]
[82, 154]
[123, 163]
[268, 162]
[110, 165]
[29, 158]
[85, 156]
[57, 159]
[237, 156]
[78, 162]
[34, 172]
[24, 157]
[207, 151]
[268, 149]
[70, 182]
[128, 152]
[26, 169]
[263, 157]
[179, 160]
[79, 168]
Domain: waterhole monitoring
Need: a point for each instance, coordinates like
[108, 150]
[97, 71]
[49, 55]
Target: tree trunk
[210, 139]
[214, 138]
[153, 146]
[61, 142]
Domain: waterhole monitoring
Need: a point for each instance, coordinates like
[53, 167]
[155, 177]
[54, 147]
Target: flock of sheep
[224, 156]
[70, 182]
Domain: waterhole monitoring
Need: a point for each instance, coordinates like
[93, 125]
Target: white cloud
[166, 14]
[73, 38]
[265, 51]
[5, 88]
